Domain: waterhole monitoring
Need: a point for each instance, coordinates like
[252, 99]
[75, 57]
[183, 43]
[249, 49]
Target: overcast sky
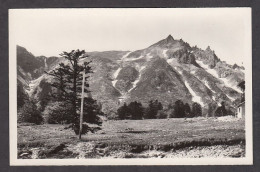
[50, 31]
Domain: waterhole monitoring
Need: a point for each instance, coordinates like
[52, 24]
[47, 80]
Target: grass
[47, 135]
[168, 133]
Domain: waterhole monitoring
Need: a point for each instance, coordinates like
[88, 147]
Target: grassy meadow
[133, 137]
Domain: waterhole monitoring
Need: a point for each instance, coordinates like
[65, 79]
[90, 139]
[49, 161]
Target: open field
[191, 137]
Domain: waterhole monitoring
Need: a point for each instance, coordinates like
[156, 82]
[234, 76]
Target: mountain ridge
[167, 71]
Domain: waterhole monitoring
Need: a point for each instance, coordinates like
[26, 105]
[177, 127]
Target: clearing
[191, 137]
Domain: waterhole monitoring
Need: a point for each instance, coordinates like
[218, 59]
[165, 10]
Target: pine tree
[136, 110]
[196, 110]
[123, 112]
[187, 110]
[211, 108]
[178, 109]
[152, 109]
[68, 82]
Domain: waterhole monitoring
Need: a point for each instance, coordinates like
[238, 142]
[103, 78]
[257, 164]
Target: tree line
[155, 110]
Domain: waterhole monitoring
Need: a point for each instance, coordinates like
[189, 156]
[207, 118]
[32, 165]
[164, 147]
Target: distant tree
[29, 113]
[136, 110]
[221, 111]
[187, 110]
[211, 109]
[160, 106]
[68, 82]
[124, 112]
[152, 109]
[178, 110]
[196, 110]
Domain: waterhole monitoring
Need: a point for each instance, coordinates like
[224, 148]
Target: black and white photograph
[130, 86]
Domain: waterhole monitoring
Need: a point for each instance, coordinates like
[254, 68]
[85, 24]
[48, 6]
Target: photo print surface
[130, 86]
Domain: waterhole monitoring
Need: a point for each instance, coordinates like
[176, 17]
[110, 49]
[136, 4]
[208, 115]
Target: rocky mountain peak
[208, 49]
[169, 39]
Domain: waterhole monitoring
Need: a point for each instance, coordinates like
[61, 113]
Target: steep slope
[31, 67]
[159, 81]
[100, 82]
[30, 71]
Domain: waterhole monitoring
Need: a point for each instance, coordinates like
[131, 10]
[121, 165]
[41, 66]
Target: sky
[49, 32]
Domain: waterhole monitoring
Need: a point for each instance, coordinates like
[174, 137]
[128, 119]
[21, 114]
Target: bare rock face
[169, 39]
[208, 56]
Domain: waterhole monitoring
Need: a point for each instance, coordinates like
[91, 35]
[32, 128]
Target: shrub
[112, 115]
[58, 113]
[30, 113]
[161, 115]
[85, 129]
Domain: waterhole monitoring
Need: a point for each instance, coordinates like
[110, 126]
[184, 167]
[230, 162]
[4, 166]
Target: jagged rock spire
[208, 48]
[169, 39]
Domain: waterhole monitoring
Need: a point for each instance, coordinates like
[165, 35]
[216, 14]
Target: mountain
[168, 70]
[30, 67]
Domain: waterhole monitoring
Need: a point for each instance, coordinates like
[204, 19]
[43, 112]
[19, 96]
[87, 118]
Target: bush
[58, 113]
[85, 129]
[30, 113]
[161, 115]
[112, 115]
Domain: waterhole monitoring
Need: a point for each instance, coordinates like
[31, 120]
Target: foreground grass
[143, 134]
